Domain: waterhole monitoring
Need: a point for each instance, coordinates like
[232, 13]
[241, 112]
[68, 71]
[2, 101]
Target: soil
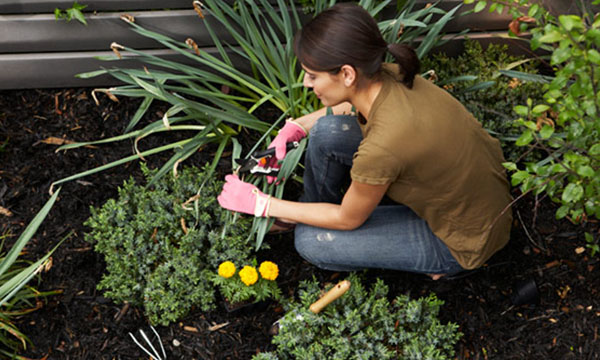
[80, 323]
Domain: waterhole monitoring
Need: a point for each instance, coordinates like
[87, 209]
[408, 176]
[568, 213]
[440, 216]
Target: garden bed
[82, 324]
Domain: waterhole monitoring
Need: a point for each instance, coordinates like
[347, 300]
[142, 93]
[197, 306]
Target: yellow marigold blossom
[248, 275]
[227, 269]
[268, 270]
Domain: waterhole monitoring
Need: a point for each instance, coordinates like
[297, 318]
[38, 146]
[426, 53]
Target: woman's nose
[306, 82]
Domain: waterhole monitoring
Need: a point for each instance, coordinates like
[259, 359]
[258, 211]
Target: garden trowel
[316, 307]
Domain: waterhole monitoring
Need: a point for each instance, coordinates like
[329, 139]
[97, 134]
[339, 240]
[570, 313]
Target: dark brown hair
[347, 34]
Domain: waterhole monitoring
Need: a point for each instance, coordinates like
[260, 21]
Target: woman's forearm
[307, 121]
[324, 215]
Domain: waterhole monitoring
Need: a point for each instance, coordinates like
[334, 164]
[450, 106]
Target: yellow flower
[227, 269]
[248, 275]
[268, 270]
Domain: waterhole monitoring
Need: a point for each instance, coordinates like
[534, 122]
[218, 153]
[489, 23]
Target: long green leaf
[27, 234]
[121, 161]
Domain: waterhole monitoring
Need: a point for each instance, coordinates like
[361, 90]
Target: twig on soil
[527, 232]
[154, 354]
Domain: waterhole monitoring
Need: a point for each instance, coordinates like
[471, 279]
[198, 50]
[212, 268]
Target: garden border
[37, 51]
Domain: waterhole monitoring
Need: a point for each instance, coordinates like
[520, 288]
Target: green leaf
[27, 234]
[562, 212]
[480, 6]
[569, 22]
[594, 56]
[586, 171]
[538, 109]
[595, 149]
[521, 110]
[525, 138]
[589, 237]
[518, 177]
[546, 131]
[560, 55]
[551, 37]
[572, 193]
[511, 166]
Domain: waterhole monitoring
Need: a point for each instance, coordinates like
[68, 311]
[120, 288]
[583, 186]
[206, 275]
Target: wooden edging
[31, 44]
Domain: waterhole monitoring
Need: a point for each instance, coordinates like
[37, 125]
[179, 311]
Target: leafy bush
[363, 325]
[16, 298]
[475, 79]
[566, 124]
[163, 243]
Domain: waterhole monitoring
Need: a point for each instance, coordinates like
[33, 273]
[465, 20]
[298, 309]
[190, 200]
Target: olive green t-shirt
[440, 162]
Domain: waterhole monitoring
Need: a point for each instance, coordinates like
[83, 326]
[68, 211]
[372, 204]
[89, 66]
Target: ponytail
[409, 63]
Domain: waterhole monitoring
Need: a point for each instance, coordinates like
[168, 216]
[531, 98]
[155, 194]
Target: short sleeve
[374, 165]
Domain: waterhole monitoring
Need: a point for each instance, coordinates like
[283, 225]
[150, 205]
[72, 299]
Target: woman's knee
[305, 244]
[333, 132]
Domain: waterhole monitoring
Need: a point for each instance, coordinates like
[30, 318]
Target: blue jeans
[393, 237]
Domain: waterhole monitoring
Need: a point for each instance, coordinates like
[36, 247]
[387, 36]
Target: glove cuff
[263, 203]
[291, 121]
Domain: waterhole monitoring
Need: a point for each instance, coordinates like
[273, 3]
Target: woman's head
[346, 34]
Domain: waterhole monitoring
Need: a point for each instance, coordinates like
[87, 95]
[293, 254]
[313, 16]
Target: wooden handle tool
[316, 307]
[334, 293]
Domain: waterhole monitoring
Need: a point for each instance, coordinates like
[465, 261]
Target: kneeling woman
[446, 196]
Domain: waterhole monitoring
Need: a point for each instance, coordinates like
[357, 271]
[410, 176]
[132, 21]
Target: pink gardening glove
[243, 197]
[290, 132]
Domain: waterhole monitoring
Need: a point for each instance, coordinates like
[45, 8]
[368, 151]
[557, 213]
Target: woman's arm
[357, 205]
[307, 121]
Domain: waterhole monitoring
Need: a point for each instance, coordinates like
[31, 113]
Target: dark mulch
[81, 324]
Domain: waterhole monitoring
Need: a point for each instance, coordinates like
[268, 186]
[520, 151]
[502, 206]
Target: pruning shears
[258, 162]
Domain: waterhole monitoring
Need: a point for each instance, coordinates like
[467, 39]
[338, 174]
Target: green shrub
[565, 125]
[488, 95]
[160, 251]
[363, 325]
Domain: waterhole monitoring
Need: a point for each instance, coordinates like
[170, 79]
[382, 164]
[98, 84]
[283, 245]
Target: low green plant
[363, 324]
[74, 12]
[565, 125]
[475, 78]
[163, 243]
[16, 297]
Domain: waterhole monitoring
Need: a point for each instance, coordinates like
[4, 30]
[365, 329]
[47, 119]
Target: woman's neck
[364, 98]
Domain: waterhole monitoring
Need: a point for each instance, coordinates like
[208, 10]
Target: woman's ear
[349, 75]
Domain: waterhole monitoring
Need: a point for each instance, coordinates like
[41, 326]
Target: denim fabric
[393, 237]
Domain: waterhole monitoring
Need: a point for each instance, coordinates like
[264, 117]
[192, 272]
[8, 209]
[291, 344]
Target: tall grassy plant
[16, 298]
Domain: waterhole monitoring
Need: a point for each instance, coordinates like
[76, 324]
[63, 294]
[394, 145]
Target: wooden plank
[42, 33]
[48, 6]
[57, 70]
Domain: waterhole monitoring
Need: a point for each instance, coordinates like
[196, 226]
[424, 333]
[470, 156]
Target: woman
[411, 144]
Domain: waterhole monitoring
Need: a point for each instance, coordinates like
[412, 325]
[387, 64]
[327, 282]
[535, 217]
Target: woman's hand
[243, 197]
[290, 132]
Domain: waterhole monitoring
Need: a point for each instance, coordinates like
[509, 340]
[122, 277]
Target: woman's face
[330, 89]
